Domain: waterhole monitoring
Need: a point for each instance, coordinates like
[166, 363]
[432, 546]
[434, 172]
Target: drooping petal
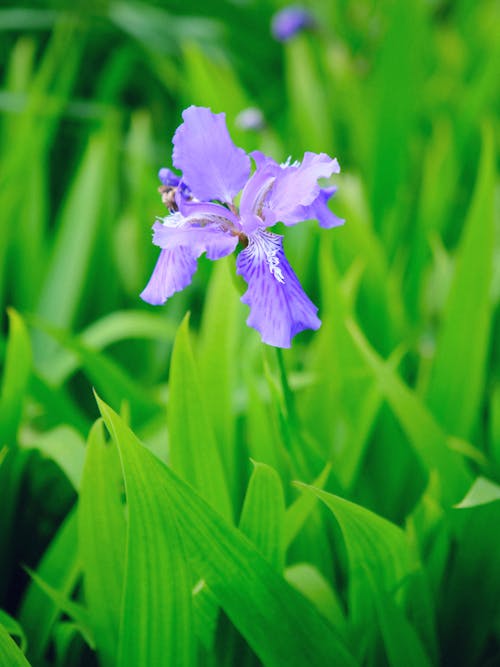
[204, 226]
[173, 272]
[279, 307]
[212, 166]
[297, 185]
[212, 239]
[318, 210]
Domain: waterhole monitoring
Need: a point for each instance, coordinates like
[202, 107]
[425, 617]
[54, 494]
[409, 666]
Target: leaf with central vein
[380, 561]
[252, 594]
[424, 434]
[457, 377]
[263, 514]
[193, 451]
[157, 626]
[101, 533]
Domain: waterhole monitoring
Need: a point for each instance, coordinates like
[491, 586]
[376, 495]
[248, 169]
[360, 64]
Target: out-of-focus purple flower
[289, 21]
[250, 119]
[204, 218]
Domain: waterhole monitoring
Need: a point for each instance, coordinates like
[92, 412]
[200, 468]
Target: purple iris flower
[205, 218]
[289, 21]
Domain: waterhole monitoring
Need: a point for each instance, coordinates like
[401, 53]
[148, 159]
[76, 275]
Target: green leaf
[482, 492]
[59, 568]
[249, 590]
[108, 377]
[112, 328]
[263, 513]
[16, 374]
[380, 561]
[193, 450]
[157, 625]
[218, 358]
[402, 643]
[298, 512]
[424, 434]
[13, 628]
[66, 605]
[308, 104]
[101, 539]
[311, 583]
[10, 654]
[63, 286]
[66, 447]
[458, 371]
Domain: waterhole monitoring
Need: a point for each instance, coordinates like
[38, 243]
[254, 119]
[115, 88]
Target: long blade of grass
[193, 450]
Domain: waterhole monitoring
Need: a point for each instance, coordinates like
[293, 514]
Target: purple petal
[212, 166]
[212, 239]
[318, 210]
[255, 194]
[167, 177]
[289, 21]
[279, 307]
[173, 272]
[297, 185]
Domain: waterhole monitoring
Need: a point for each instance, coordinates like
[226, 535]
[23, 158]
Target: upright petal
[255, 194]
[212, 166]
[318, 210]
[279, 307]
[297, 185]
[173, 272]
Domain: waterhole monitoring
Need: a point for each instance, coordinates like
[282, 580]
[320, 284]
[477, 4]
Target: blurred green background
[398, 394]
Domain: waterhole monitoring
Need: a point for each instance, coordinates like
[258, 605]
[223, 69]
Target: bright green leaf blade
[482, 492]
[66, 605]
[157, 625]
[112, 328]
[308, 104]
[311, 583]
[298, 512]
[66, 447]
[380, 561]
[64, 284]
[263, 513]
[217, 354]
[249, 590]
[16, 373]
[193, 450]
[457, 377]
[58, 567]
[101, 537]
[13, 628]
[402, 643]
[10, 653]
[425, 435]
[106, 375]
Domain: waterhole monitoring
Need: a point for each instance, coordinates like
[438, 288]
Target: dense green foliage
[332, 504]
